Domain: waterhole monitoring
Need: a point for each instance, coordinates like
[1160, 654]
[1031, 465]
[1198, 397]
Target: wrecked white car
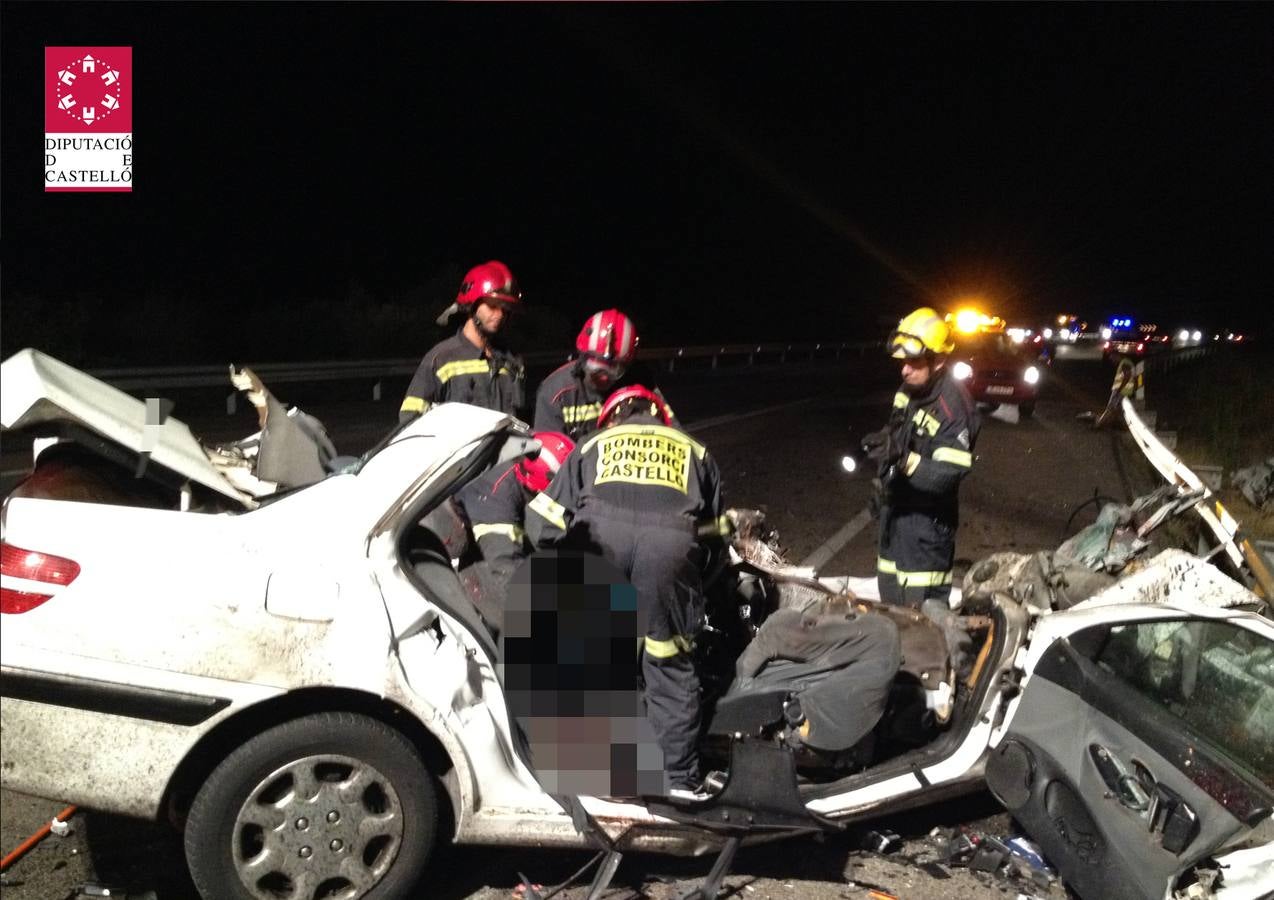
[301, 679]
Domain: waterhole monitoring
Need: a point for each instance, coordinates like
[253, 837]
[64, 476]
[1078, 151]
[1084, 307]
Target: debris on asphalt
[883, 841]
[61, 829]
[1016, 860]
[40, 834]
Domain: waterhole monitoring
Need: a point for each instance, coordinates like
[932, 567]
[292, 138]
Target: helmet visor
[902, 345]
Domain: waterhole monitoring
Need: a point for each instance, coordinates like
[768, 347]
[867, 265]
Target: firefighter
[922, 455]
[495, 507]
[570, 398]
[1124, 385]
[472, 366]
[647, 497]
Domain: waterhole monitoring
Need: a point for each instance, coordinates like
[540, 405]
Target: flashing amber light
[970, 321]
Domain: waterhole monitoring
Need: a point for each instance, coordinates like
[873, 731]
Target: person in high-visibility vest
[1124, 385]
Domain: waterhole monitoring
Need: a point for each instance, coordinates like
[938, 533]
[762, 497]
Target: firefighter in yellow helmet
[922, 455]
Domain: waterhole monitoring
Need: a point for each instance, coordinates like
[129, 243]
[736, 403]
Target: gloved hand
[880, 447]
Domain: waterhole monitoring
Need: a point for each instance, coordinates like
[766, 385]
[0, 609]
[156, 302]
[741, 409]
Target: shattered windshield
[1215, 677]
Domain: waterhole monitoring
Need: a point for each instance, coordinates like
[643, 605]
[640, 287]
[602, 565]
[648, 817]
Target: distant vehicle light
[849, 464]
[1141, 347]
[1106, 333]
[968, 320]
[1196, 335]
[1183, 335]
[1229, 336]
[1048, 334]
[962, 371]
[1238, 337]
[1031, 375]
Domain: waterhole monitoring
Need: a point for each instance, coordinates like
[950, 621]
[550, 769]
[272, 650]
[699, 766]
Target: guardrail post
[232, 402]
[376, 392]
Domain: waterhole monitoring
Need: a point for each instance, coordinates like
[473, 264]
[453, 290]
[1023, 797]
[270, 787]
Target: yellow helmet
[920, 332]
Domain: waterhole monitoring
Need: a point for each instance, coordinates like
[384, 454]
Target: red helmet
[608, 335]
[489, 281]
[535, 474]
[633, 395]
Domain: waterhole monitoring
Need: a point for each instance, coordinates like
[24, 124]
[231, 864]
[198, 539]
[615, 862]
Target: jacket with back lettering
[640, 468]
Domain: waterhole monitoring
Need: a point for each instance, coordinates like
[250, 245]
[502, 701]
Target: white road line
[714, 421]
[823, 555]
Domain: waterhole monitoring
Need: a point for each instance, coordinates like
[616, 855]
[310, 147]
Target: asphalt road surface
[778, 435]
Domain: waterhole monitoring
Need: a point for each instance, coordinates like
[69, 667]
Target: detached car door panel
[1139, 749]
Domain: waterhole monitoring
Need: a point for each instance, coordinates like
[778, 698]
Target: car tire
[1026, 410]
[325, 803]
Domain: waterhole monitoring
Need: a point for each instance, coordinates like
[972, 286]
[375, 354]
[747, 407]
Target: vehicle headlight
[1197, 335]
[1106, 333]
[1048, 334]
[1031, 375]
[1183, 335]
[962, 371]
[849, 464]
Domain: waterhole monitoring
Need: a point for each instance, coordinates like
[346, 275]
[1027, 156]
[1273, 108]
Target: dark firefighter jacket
[495, 505]
[644, 469]
[940, 427]
[643, 495]
[455, 371]
[567, 403]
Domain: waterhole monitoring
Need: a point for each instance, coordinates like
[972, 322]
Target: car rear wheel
[333, 805]
[1026, 410]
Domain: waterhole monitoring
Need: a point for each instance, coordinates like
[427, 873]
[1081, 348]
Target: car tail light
[32, 566]
[1141, 347]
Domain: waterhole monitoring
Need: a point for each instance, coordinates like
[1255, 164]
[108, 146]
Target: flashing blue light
[1121, 323]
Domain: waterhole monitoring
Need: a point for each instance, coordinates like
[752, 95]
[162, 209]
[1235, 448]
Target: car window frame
[1096, 650]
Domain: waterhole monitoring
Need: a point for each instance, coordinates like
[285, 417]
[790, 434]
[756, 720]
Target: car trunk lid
[39, 390]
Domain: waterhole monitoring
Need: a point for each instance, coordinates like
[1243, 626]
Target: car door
[1142, 746]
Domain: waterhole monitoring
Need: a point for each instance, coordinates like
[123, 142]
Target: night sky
[311, 180]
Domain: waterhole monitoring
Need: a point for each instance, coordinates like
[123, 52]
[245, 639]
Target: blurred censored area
[571, 671]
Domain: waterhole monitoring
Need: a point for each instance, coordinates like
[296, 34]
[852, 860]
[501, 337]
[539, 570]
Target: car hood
[991, 359]
[36, 389]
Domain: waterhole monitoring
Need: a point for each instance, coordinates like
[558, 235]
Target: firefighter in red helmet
[647, 497]
[494, 505]
[472, 366]
[570, 398]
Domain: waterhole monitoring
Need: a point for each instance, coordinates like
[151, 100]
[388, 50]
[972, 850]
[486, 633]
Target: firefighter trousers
[663, 560]
[917, 550]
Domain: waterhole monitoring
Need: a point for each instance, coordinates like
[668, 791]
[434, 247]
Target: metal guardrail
[1178, 355]
[155, 378]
